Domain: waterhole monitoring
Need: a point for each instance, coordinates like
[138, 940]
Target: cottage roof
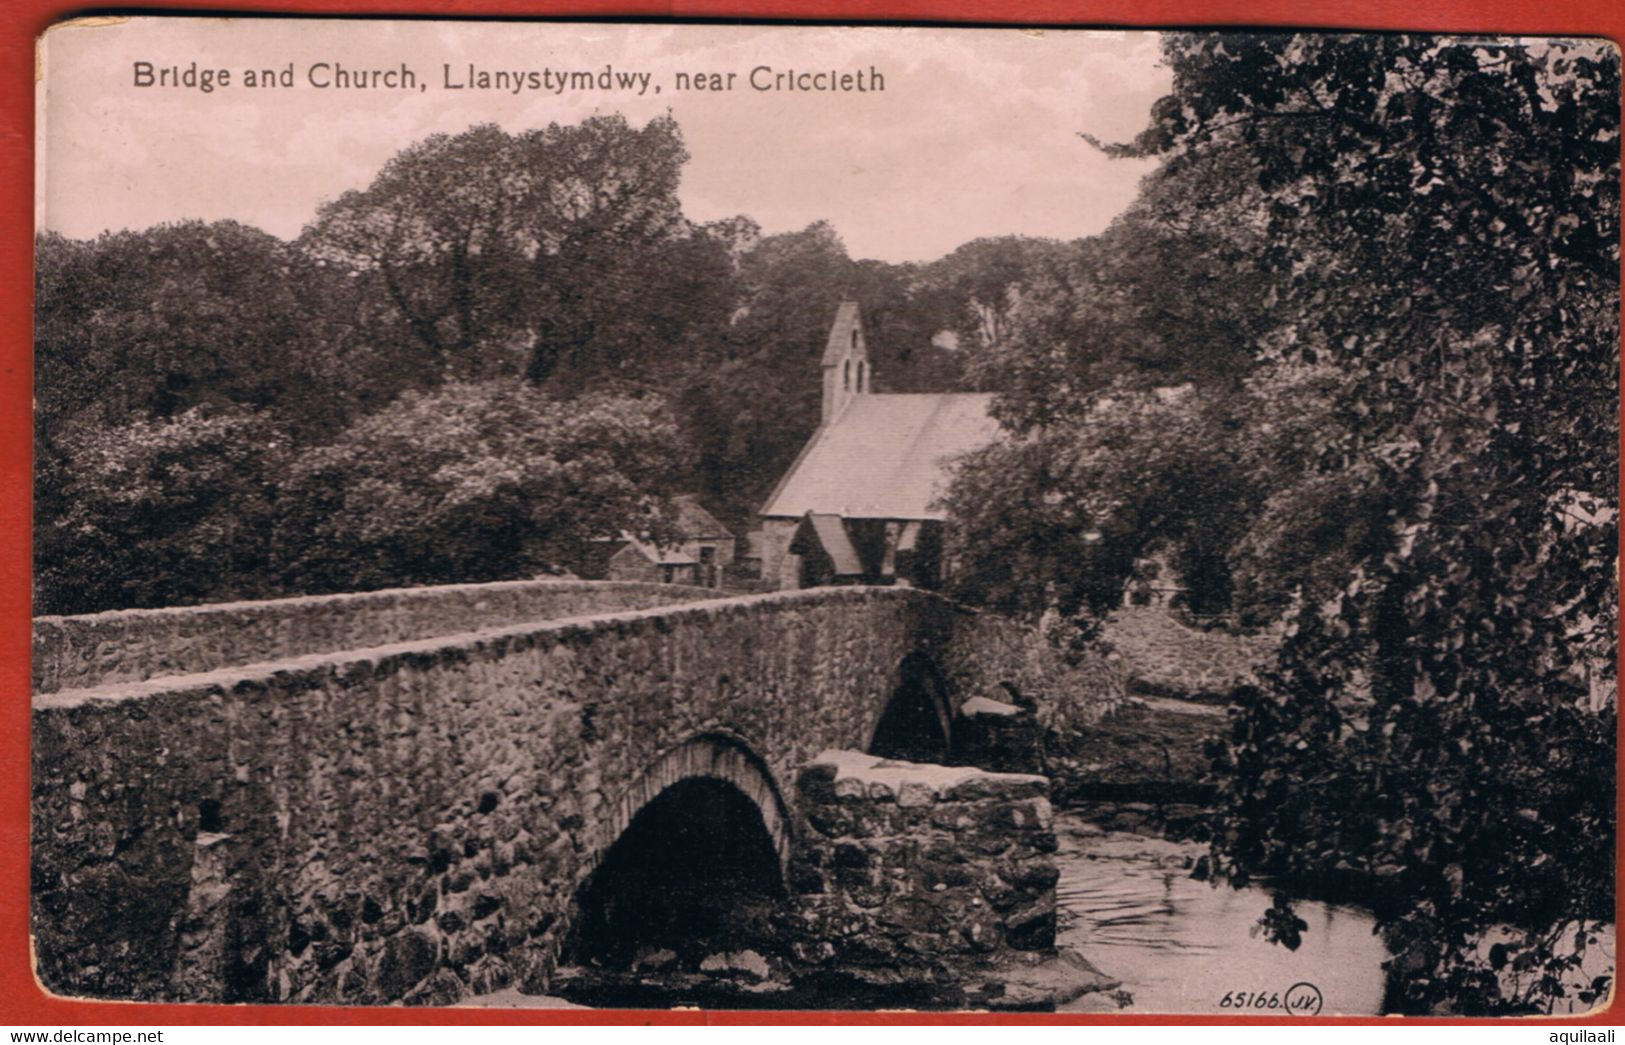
[885, 457]
[662, 556]
[695, 523]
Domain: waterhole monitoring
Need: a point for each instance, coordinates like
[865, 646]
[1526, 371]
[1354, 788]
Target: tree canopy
[1391, 314]
[476, 272]
[486, 481]
[561, 252]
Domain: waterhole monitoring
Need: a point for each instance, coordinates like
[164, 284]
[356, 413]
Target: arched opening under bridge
[695, 867]
[914, 726]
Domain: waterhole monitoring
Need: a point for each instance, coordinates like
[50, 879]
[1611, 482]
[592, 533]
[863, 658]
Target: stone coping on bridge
[858, 775]
[494, 641]
[117, 646]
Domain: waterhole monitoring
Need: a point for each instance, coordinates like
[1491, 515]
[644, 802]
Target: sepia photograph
[613, 515]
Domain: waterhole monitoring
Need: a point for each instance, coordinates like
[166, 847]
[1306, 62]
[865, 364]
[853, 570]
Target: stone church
[860, 503]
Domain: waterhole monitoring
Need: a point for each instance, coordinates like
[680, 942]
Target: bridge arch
[691, 860]
[916, 723]
[713, 755]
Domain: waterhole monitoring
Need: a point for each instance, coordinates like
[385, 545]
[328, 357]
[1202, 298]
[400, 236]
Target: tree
[1381, 308]
[1168, 295]
[906, 316]
[753, 408]
[625, 283]
[1124, 371]
[1441, 221]
[157, 512]
[440, 234]
[488, 481]
[560, 253]
[151, 324]
[1056, 519]
[980, 283]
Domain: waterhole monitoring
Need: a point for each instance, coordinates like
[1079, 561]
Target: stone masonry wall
[780, 569]
[1009, 662]
[131, 645]
[909, 869]
[1166, 657]
[411, 821]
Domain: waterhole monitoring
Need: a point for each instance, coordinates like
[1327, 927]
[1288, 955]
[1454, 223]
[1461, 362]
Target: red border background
[21, 999]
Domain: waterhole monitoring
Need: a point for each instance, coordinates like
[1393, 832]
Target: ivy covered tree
[1445, 224]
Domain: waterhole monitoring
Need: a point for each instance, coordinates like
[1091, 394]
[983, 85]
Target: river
[1128, 902]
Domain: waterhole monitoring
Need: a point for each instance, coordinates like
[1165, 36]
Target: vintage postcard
[761, 517]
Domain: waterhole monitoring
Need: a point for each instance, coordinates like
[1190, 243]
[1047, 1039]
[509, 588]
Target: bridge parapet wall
[410, 822]
[100, 649]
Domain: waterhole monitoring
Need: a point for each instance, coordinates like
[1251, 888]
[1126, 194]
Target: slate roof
[884, 456]
[832, 535]
[663, 556]
[694, 522]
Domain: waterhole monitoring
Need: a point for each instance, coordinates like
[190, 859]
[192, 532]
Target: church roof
[840, 332]
[832, 535]
[885, 456]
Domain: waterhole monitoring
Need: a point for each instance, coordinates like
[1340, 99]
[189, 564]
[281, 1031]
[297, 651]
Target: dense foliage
[1399, 435]
[485, 482]
[1351, 361]
[157, 511]
[214, 404]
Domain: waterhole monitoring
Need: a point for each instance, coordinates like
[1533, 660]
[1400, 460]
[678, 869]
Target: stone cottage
[703, 550]
[860, 503]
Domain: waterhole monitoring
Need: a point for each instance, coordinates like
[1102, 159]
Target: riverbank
[1151, 755]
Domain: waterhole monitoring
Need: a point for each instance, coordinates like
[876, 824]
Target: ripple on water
[1180, 945]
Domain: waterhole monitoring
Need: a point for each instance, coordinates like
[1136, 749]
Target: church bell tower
[846, 362]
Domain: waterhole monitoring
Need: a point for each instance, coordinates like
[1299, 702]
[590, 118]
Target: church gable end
[875, 469]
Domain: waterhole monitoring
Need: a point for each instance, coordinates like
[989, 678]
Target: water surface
[1129, 904]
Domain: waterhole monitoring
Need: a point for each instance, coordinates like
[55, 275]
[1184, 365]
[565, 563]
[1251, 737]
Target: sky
[976, 132]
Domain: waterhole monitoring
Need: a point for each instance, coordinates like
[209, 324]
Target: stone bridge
[422, 794]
